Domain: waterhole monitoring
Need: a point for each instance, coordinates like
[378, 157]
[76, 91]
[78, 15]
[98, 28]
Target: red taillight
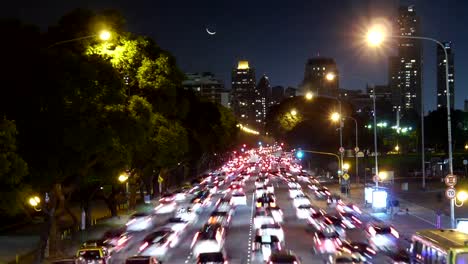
[142, 247]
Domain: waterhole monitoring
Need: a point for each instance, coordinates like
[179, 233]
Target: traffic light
[299, 154]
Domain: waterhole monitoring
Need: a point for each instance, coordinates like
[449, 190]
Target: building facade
[262, 101]
[277, 95]
[290, 92]
[315, 81]
[405, 75]
[244, 94]
[441, 80]
[205, 85]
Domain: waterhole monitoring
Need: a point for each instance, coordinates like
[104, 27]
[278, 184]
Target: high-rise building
[243, 93]
[465, 106]
[405, 75]
[290, 92]
[205, 85]
[263, 100]
[277, 95]
[441, 81]
[316, 70]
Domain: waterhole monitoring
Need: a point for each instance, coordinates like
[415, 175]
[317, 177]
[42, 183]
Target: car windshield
[176, 220]
[282, 259]
[90, 254]
[382, 230]
[272, 226]
[138, 261]
[156, 237]
[238, 195]
[211, 257]
[135, 215]
[327, 235]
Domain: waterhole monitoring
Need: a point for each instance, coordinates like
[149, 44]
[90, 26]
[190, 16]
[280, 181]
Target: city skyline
[281, 46]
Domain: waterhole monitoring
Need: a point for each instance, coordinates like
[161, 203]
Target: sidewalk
[408, 220]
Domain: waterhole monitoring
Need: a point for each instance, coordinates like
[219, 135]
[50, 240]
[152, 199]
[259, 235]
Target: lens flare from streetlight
[330, 76]
[309, 96]
[123, 178]
[346, 166]
[462, 196]
[397, 148]
[376, 35]
[335, 117]
[104, 35]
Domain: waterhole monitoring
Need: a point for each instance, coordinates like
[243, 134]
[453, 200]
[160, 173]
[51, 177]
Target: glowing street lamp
[123, 178]
[34, 201]
[376, 35]
[397, 148]
[335, 117]
[309, 96]
[293, 112]
[461, 196]
[105, 35]
[346, 166]
[330, 76]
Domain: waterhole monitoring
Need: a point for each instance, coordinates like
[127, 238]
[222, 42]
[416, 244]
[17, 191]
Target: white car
[383, 237]
[158, 243]
[263, 217]
[270, 188]
[271, 230]
[304, 211]
[293, 184]
[260, 191]
[186, 213]
[238, 198]
[209, 239]
[301, 199]
[276, 213]
[295, 191]
[139, 222]
[176, 223]
[165, 208]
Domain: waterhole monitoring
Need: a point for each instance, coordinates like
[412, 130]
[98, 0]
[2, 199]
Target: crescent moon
[209, 32]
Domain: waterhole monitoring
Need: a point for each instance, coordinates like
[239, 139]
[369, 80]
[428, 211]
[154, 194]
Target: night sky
[275, 36]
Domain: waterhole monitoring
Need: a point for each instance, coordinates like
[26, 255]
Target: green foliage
[12, 167]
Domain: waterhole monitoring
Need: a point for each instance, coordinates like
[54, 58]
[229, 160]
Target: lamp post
[375, 36]
[104, 35]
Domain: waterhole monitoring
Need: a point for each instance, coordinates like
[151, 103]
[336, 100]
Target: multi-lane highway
[240, 234]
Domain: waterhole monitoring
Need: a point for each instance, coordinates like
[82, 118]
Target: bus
[439, 246]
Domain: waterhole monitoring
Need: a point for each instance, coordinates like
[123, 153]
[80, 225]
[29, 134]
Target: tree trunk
[111, 202]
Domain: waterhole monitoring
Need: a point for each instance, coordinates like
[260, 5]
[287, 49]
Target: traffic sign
[160, 179]
[465, 162]
[450, 193]
[346, 176]
[356, 149]
[341, 149]
[450, 180]
[376, 178]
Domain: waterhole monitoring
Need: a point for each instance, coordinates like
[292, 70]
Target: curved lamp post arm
[71, 40]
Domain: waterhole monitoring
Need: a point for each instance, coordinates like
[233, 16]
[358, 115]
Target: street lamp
[397, 148]
[103, 35]
[309, 96]
[293, 112]
[34, 201]
[335, 117]
[376, 35]
[330, 76]
[123, 178]
[346, 166]
[461, 196]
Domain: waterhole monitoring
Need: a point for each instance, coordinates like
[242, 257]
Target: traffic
[261, 207]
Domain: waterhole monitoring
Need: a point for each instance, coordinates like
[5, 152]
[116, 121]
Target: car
[333, 200]
[238, 198]
[270, 188]
[92, 255]
[177, 224]
[221, 217]
[313, 186]
[140, 221]
[165, 208]
[284, 257]
[167, 198]
[186, 213]
[259, 182]
[295, 191]
[263, 217]
[316, 219]
[383, 237]
[235, 187]
[212, 258]
[266, 200]
[142, 260]
[336, 223]
[360, 251]
[276, 212]
[301, 199]
[271, 229]
[259, 191]
[210, 238]
[326, 241]
[303, 211]
[351, 220]
[292, 184]
[117, 238]
[322, 193]
[158, 243]
[344, 258]
[352, 208]
[265, 244]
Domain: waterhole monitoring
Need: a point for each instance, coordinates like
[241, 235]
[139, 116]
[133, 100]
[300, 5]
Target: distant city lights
[247, 129]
